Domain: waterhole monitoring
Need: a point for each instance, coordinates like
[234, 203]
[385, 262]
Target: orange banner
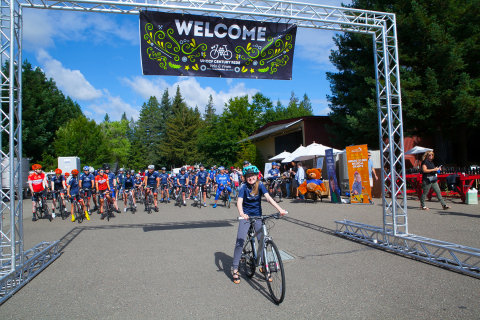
[357, 161]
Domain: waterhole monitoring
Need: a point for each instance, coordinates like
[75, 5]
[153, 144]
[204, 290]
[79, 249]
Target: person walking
[429, 180]
[299, 178]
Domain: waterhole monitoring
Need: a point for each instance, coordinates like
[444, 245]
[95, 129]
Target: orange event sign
[357, 161]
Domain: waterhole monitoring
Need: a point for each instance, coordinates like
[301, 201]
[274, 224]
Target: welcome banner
[357, 162]
[201, 46]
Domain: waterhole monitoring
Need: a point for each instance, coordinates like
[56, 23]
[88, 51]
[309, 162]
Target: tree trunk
[462, 154]
[439, 148]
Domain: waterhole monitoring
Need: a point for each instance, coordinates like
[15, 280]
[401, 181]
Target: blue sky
[95, 59]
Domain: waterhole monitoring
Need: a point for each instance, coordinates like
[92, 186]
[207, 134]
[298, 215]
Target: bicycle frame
[263, 239]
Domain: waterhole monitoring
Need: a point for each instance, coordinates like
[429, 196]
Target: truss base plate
[450, 255]
[36, 259]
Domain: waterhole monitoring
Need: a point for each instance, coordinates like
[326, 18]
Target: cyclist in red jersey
[37, 182]
[103, 187]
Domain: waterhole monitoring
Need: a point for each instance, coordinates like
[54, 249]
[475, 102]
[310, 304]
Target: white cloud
[320, 107]
[41, 28]
[191, 90]
[71, 82]
[114, 106]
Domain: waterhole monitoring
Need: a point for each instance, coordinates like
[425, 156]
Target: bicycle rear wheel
[248, 258]
[78, 212]
[274, 275]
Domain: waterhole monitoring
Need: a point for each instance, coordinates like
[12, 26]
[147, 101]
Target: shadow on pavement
[310, 226]
[224, 264]
[72, 234]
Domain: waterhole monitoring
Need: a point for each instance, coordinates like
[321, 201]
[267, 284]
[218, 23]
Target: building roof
[271, 127]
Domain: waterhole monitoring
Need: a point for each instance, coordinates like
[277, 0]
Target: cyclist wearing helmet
[164, 180]
[37, 182]
[249, 204]
[58, 186]
[138, 181]
[85, 182]
[272, 175]
[182, 181]
[73, 193]
[93, 172]
[202, 179]
[120, 178]
[112, 182]
[191, 183]
[103, 189]
[151, 181]
[212, 176]
[128, 186]
[223, 181]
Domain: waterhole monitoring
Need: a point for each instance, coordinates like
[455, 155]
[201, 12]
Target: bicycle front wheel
[274, 275]
[248, 258]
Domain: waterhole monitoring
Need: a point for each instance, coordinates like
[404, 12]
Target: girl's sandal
[236, 278]
[446, 207]
[425, 208]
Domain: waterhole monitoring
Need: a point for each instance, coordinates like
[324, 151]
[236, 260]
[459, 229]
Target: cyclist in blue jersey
[120, 178]
[201, 180]
[191, 183]
[112, 182]
[86, 182]
[223, 181]
[212, 176]
[273, 174]
[151, 182]
[164, 180]
[138, 181]
[182, 181]
[73, 193]
[59, 185]
[128, 186]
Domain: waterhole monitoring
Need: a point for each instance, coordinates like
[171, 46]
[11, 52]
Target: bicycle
[77, 209]
[178, 200]
[209, 191]
[200, 196]
[225, 197]
[108, 207]
[130, 201]
[165, 193]
[42, 211]
[149, 200]
[139, 195]
[267, 257]
[222, 51]
[277, 190]
[61, 206]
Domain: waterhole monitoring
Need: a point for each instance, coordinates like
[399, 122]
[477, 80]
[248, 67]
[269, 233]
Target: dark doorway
[288, 142]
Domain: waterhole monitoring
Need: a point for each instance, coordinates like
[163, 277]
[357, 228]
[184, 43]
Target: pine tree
[209, 112]
[106, 119]
[124, 117]
[147, 134]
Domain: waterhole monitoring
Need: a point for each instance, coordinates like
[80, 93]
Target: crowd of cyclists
[101, 189]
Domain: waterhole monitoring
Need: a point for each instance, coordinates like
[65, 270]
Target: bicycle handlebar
[274, 216]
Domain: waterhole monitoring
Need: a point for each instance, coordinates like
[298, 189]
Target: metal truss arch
[16, 266]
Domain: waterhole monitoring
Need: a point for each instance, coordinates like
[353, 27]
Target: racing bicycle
[42, 211]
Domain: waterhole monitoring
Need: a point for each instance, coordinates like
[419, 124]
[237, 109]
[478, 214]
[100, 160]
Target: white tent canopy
[313, 151]
[417, 149]
[280, 156]
[291, 157]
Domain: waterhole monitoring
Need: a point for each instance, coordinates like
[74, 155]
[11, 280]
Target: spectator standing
[371, 170]
[288, 181]
[429, 180]
[299, 178]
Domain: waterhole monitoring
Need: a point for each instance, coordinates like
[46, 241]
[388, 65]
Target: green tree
[209, 112]
[147, 136]
[118, 145]
[44, 110]
[106, 119]
[179, 146]
[83, 138]
[438, 52]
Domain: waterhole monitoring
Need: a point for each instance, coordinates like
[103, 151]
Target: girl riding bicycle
[249, 203]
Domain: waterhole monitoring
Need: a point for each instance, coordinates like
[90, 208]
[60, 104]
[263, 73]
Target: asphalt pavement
[176, 264]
